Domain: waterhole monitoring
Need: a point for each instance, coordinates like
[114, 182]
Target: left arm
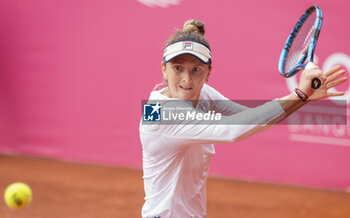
[292, 103]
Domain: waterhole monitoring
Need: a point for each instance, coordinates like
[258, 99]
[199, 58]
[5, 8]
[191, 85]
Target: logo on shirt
[187, 46]
[152, 112]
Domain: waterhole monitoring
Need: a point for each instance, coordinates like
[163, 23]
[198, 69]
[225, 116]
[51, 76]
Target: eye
[178, 68]
[197, 69]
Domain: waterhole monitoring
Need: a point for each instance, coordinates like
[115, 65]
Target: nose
[186, 76]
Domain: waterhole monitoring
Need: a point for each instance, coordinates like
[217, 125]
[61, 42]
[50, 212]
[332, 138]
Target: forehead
[186, 58]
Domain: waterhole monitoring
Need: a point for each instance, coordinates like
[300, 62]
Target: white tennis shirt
[176, 158]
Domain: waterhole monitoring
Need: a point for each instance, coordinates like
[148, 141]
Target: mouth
[186, 88]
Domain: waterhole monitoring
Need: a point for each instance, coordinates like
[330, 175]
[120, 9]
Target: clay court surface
[75, 190]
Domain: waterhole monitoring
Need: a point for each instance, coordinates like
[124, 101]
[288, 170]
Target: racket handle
[316, 83]
[309, 66]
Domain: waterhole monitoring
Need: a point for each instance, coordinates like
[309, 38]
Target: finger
[335, 75]
[331, 71]
[323, 78]
[335, 94]
[337, 82]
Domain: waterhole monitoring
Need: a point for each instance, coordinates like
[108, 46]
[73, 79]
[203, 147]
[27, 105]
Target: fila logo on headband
[199, 50]
[187, 46]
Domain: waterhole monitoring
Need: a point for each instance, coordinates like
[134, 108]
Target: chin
[187, 97]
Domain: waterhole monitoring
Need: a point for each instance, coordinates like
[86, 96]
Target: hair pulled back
[193, 30]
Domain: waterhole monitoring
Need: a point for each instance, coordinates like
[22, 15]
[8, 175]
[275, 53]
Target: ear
[207, 78]
[165, 75]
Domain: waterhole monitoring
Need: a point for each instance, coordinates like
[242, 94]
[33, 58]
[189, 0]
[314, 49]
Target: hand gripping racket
[298, 52]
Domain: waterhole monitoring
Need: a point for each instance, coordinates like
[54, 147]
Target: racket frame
[310, 51]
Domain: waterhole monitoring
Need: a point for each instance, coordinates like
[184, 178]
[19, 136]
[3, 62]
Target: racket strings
[302, 40]
[308, 39]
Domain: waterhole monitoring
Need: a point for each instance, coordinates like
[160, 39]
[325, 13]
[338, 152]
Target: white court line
[319, 139]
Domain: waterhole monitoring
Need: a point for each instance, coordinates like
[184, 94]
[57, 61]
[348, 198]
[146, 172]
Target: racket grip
[309, 66]
[315, 83]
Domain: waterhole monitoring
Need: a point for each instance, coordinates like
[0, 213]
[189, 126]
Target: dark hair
[193, 30]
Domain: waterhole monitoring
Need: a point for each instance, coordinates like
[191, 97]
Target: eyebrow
[200, 64]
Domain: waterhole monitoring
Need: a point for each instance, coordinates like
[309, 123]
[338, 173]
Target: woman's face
[185, 75]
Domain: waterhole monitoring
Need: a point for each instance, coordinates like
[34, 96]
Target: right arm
[230, 128]
[251, 121]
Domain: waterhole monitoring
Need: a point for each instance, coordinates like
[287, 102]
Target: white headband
[196, 49]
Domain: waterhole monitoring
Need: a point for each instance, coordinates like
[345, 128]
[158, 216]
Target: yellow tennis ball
[18, 195]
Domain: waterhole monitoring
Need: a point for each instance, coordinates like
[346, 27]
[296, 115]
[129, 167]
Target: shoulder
[209, 93]
[157, 95]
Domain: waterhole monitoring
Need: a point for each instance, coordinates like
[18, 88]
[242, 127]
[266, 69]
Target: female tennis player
[176, 157]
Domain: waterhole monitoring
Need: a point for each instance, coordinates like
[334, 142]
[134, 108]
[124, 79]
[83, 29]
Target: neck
[167, 93]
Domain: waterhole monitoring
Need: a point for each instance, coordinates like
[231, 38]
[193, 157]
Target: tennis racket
[299, 49]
